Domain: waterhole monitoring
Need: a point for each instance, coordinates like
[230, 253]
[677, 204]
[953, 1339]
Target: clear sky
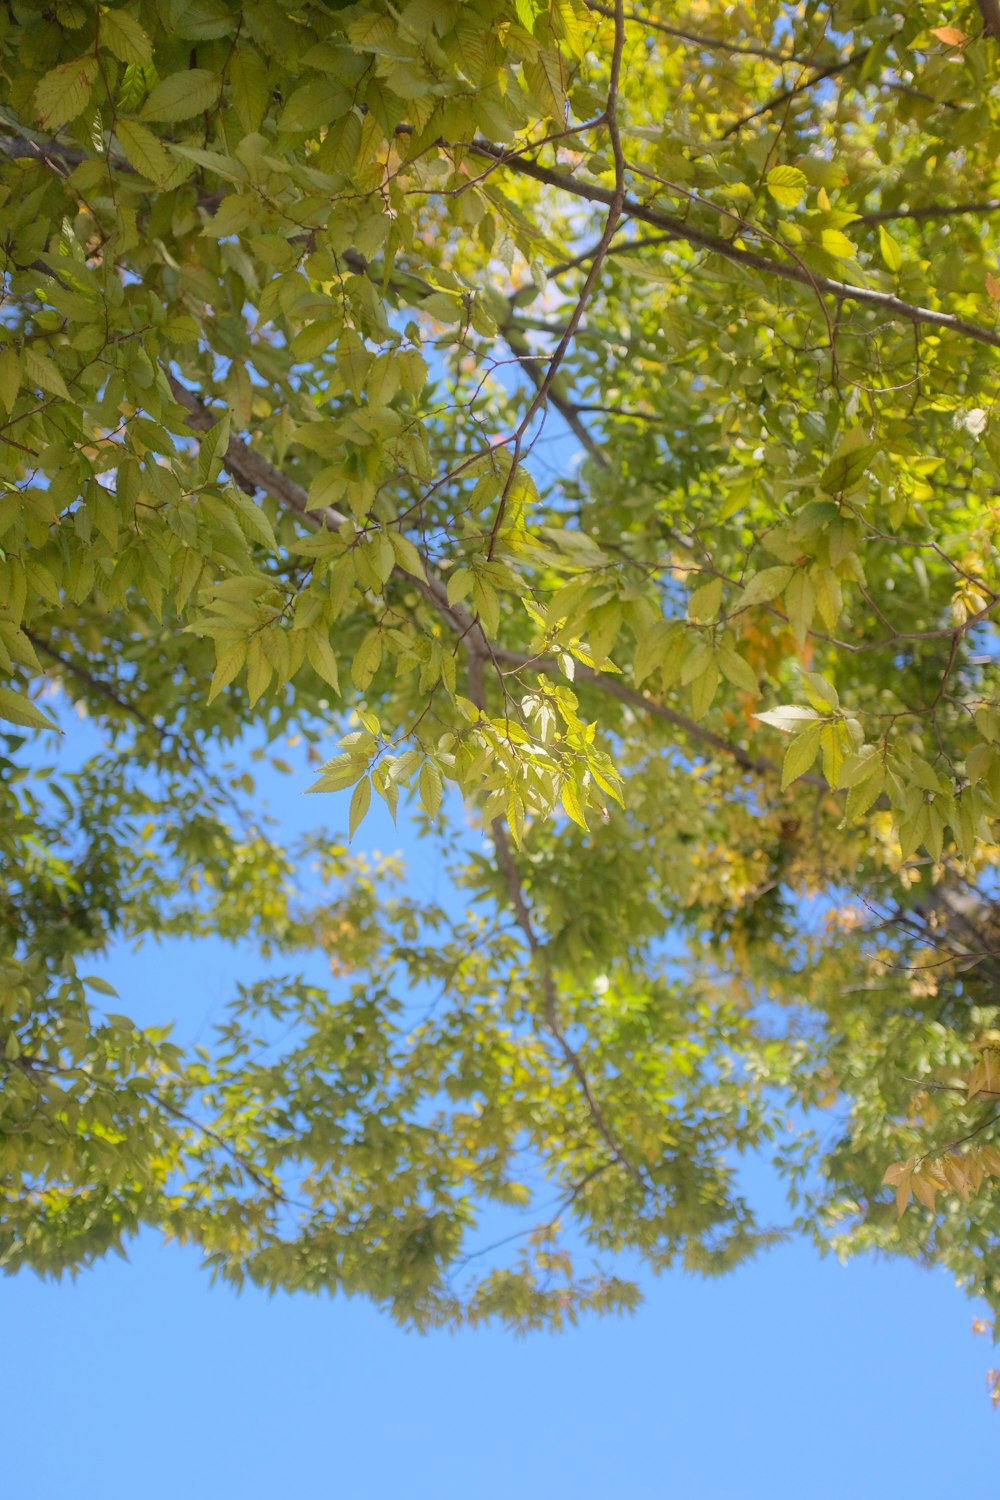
[793, 1379]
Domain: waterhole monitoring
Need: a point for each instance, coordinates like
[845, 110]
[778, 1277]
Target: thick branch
[931, 211]
[990, 12]
[252, 472]
[680, 229]
[710, 43]
[248, 468]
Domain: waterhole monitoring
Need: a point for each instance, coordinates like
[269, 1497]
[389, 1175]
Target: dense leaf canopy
[586, 411]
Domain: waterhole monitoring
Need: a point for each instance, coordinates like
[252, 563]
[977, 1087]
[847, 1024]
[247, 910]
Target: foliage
[293, 296]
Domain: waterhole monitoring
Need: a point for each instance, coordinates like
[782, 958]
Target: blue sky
[793, 1379]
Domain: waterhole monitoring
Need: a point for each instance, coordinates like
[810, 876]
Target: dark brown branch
[990, 12]
[777, 100]
[681, 230]
[30, 1065]
[709, 43]
[83, 674]
[931, 211]
[252, 472]
[508, 868]
[615, 200]
[758, 765]
[249, 468]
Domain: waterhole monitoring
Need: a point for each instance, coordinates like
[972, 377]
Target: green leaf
[10, 377]
[849, 465]
[800, 755]
[763, 586]
[703, 604]
[314, 103]
[321, 657]
[431, 788]
[891, 252]
[212, 450]
[143, 150]
[182, 95]
[16, 709]
[93, 982]
[122, 34]
[44, 372]
[361, 800]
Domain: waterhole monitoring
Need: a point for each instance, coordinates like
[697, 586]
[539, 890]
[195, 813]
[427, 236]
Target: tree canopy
[294, 297]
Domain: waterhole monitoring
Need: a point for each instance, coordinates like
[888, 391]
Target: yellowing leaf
[737, 670]
[227, 668]
[800, 603]
[788, 718]
[321, 658]
[459, 585]
[65, 92]
[763, 586]
[787, 185]
[571, 802]
[431, 788]
[835, 242]
[407, 556]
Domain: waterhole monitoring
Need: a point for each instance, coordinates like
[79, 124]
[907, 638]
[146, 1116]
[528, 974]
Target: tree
[293, 294]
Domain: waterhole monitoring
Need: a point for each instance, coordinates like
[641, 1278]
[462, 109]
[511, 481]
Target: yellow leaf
[787, 185]
[65, 91]
[571, 802]
[361, 799]
[835, 242]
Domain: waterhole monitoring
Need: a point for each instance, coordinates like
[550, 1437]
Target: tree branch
[777, 100]
[508, 868]
[680, 229]
[697, 38]
[615, 200]
[931, 211]
[97, 687]
[250, 469]
[990, 12]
